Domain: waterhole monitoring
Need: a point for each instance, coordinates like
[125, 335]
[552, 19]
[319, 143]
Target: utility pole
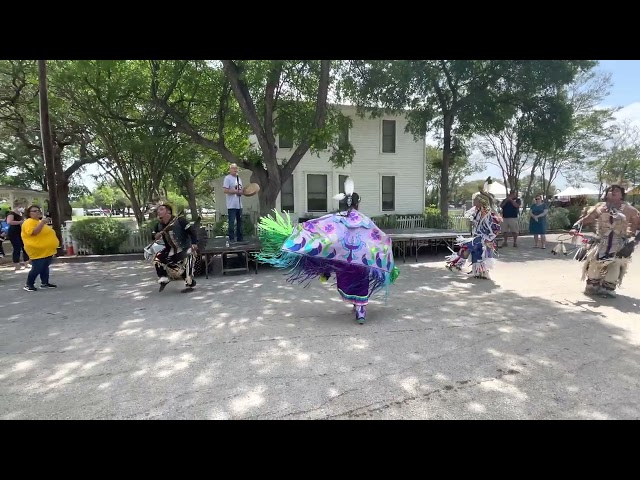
[47, 150]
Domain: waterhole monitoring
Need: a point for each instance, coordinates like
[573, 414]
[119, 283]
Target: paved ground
[529, 346]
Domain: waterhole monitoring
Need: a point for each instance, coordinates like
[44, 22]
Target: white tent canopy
[568, 193]
[588, 191]
[571, 192]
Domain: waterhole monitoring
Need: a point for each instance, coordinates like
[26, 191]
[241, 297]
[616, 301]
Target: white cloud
[631, 112]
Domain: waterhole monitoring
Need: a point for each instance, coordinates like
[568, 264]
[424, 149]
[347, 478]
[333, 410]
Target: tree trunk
[62, 185]
[269, 188]
[513, 180]
[553, 174]
[130, 193]
[267, 199]
[137, 212]
[191, 197]
[64, 204]
[446, 163]
[527, 194]
[47, 149]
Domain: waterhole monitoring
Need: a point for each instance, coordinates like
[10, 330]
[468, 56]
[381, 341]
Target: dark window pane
[286, 196]
[316, 193]
[388, 136]
[388, 193]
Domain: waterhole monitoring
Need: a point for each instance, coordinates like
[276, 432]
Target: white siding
[368, 167]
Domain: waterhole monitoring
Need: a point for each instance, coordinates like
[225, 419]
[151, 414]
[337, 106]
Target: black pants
[18, 246]
[235, 217]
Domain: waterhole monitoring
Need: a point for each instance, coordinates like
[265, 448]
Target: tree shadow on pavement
[623, 303]
[108, 345]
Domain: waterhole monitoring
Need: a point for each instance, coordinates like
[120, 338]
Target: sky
[625, 93]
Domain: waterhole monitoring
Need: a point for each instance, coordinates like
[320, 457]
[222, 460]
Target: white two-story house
[388, 170]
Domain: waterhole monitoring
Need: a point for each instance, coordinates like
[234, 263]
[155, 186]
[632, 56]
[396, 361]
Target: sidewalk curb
[120, 257]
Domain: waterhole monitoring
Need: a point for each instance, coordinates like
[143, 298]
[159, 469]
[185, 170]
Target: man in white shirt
[232, 187]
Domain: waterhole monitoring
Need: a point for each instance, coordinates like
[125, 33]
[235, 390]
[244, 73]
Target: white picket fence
[139, 239]
[458, 223]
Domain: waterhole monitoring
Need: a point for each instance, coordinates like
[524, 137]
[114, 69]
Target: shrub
[439, 221]
[385, 221]
[574, 213]
[431, 210]
[102, 235]
[149, 225]
[559, 219]
[221, 227]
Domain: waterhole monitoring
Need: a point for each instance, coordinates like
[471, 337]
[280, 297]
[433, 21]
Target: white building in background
[388, 170]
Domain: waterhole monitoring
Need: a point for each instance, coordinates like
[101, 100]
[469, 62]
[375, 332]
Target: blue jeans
[235, 217]
[40, 267]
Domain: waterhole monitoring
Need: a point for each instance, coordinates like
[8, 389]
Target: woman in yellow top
[41, 244]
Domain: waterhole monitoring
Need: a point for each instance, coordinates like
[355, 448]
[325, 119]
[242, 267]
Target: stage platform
[404, 240]
[417, 238]
[216, 246]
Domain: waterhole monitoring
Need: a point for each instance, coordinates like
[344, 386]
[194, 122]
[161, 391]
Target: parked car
[94, 212]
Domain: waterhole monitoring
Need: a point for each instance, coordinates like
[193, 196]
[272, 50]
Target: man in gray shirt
[232, 187]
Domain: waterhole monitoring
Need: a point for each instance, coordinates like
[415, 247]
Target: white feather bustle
[349, 186]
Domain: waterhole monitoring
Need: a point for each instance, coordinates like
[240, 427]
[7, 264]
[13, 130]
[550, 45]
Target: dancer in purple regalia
[347, 244]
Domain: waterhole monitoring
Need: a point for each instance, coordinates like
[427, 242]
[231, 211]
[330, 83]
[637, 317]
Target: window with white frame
[388, 136]
[342, 206]
[388, 193]
[286, 196]
[285, 140]
[316, 192]
[343, 136]
[285, 132]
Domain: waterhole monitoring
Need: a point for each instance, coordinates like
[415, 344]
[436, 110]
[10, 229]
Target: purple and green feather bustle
[347, 244]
